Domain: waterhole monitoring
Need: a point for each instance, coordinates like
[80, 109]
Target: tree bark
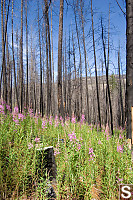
[69, 79]
[3, 52]
[21, 59]
[120, 92]
[27, 60]
[60, 102]
[14, 63]
[106, 62]
[129, 65]
[53, 88]
[107, 69]
[86, 79]
[80, 65]
[98, 103]
[41, 94]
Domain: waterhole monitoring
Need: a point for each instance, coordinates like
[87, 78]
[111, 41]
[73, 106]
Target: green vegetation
[90, 164]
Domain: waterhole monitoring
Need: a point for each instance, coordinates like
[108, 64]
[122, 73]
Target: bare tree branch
[120, 8]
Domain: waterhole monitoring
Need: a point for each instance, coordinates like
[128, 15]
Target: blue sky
[117, 29]
[100, 8]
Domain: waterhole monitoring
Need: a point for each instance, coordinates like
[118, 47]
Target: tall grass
[90, 164]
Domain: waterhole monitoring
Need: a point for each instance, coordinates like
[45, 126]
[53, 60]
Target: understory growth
[90, 164]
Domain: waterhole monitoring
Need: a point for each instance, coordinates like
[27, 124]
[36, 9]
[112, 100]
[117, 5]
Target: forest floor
[90, 164]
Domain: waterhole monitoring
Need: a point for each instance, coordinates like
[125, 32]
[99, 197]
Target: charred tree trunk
[86, 79]
[98, 102]
[60, 103]
[21, 59]
[49, 55]
[14, 63]
[41, 94]
[129, 65]
[120, 92]
[69, 79]
[3, 52]
[27, 60]
[80, 65]
[53, 88]
[7, 61]
[107, 69]
[106, 62]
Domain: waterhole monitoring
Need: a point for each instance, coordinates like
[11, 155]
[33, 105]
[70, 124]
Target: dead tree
[60, 102]
[21, 59]
[27, 59]
[16, 90]
[86, 79]
[40, 54]
[98, 102]
[80, 63]
[120, 92]
[129, 65]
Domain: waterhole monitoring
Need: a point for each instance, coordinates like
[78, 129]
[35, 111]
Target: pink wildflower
[50, 120]
[16, 109]
[21, 116]
[82, 118]
[62, 123]
[90, 150]
[67, 118]
[56, 153]
[31, 112]
[8, 108]
[79, 146]
[119, 179]
[91, 154]
[61, 118]
[56, 121]
[99, 142]
[120, 136]
[2, 109]
[16, 121]
[37, 139]
[73, 120]
[56, 117]
[30, 146]
[72, 136]
[119, 148]
[44, 124]
[107, 138]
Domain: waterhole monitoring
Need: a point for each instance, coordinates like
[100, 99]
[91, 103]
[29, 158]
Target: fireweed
[86, 159]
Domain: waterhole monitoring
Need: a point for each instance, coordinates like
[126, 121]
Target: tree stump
[46, 168]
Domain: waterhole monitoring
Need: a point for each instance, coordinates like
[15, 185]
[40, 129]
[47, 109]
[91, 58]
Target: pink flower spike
[30, 146]
[73, 120]
[37, 139]
[79, 146]
[119, 148]
[90, 150]
[16, 109]
[8, 107]
[120, 179]
[120, 136]
[99, 142]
